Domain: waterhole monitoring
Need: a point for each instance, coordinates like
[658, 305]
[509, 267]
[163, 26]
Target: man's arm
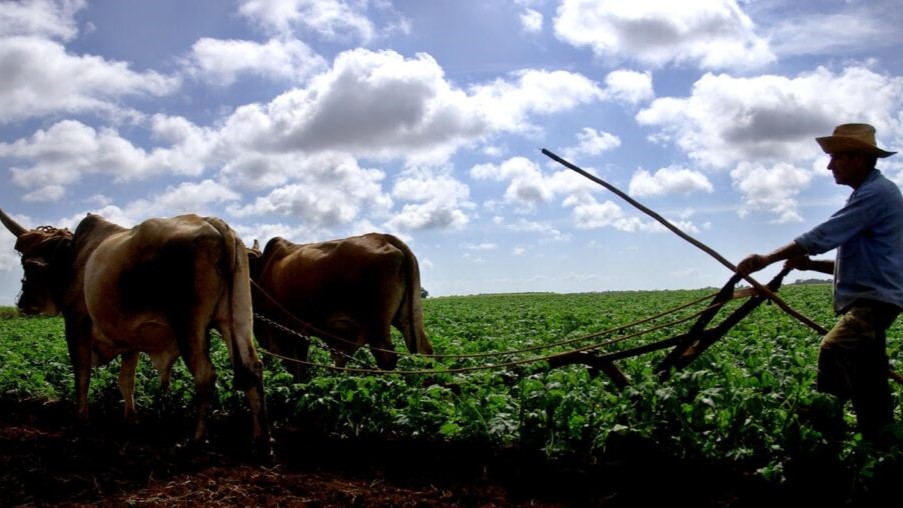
[756, 262]
[805, 263]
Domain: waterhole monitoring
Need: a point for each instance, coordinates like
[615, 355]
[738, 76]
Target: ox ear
[12, 225]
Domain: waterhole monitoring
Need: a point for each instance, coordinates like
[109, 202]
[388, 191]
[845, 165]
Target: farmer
[868, 276]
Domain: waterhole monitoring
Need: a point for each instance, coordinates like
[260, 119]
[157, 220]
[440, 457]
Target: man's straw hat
[852, 137]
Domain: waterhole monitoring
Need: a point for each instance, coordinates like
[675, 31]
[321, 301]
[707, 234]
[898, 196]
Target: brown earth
[44, 461]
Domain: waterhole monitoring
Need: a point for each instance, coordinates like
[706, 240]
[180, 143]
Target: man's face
[848, 168]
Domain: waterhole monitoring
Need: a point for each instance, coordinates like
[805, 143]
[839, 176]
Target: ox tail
[409, 316]
[235, 314]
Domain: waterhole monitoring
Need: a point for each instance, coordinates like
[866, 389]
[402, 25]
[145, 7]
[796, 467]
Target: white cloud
[866, 27]
[771, 189]
[527, 186]
[187, 197]
[531, 20]
[46, 193]
[439, 202]
[326, 191]
[370, 103]
[508, 104]
[480, 246]
[590, 214]
[42, 18]
[629, 86]
[382, 105]
[592, 142]
[670, 180]
[221, 62]
[712, 34]
[332, 19]
[769, 119]
[38, 77]
[69, 150]
[546, 232]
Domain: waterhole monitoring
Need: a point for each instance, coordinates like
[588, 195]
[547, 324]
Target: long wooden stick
[762, 289]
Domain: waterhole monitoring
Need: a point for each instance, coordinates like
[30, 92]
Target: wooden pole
[762, 289]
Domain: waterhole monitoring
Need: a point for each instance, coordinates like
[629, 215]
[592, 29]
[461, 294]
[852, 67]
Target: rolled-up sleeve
[845, 224]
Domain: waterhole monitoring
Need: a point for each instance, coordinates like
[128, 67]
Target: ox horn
[11, 225]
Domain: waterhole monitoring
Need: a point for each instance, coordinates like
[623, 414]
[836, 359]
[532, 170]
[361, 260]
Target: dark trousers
[852, 364]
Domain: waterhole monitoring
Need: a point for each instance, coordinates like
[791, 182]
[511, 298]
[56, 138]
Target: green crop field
[735, 405]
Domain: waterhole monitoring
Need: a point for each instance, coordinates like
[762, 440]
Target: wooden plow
[687, 346]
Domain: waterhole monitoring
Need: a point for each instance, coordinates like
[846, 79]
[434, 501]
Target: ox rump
[353, 289]
[157, 288]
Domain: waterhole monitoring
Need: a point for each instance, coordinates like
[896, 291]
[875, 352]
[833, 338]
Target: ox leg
[248, 377]
[79, 344]
[164, 363]
[294, 347]
[127, 385]
[354, 338]
[384, 351]
[197, 359]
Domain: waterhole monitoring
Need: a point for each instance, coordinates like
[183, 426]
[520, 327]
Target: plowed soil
[45, 461]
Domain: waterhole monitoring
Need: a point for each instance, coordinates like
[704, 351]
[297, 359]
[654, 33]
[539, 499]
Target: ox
[352, 289]
[157, 288]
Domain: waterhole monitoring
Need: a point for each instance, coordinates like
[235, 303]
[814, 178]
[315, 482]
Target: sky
[321, 119]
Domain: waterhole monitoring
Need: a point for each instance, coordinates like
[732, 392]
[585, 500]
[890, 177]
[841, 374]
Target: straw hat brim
[836, 144]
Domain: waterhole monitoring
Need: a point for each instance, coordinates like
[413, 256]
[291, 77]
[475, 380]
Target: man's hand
[799, 263]
[752, 263]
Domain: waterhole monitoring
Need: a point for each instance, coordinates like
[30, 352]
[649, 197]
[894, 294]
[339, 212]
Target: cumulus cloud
[221, 62]
[727, 120]
[54, 19]
[435, 202]
[480, 246]
[383, 105]
[546, 232]
[39, 77]
[69, 150]
[187, 197]
[866, 26]
[331, 19]
[629, 86]
[771, 189]
[670, 180]
[590, 214]
[713, 34]
[527, 187]
[531, 20]
[325, 192]
[593, 142]
[508, 104]
[369, 103]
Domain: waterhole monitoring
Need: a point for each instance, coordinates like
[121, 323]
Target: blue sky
[321, 119]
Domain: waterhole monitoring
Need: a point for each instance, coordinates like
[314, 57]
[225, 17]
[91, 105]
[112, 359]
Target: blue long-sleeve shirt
[868, 235]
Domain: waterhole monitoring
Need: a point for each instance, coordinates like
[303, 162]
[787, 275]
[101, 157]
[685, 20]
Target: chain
[320, 342]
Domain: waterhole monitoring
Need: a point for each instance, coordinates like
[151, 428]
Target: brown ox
[352, 288]
[157, 288]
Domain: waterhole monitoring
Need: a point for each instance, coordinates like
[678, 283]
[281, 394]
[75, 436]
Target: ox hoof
[263, 451]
